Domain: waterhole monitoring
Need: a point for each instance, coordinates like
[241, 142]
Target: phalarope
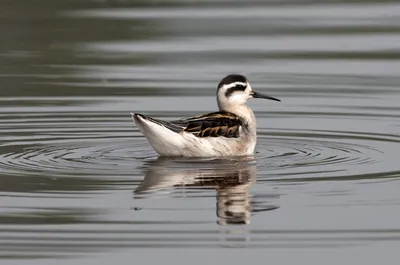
[232, 131]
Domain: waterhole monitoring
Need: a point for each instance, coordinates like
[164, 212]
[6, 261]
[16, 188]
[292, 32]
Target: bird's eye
[231, 90]
[240, 87]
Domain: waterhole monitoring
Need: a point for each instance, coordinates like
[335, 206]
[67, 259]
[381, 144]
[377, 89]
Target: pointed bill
[259, 95]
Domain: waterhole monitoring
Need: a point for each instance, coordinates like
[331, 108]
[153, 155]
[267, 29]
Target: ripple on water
[65, 147]
[69, 159]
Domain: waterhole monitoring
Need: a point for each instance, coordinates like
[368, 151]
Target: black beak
[259, 95]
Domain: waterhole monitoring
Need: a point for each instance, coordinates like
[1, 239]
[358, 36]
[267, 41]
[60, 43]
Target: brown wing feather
[214, 125]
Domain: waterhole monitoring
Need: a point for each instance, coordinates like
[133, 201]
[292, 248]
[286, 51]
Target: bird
[229, 132]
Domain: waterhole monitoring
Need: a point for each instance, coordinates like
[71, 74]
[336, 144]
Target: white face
[236, 93]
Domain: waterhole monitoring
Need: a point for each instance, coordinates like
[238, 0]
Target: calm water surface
[80, 184]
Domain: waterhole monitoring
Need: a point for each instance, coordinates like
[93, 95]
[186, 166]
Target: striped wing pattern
[214, 124]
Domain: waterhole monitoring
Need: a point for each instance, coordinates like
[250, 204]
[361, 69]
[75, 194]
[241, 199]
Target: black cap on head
[229, 79]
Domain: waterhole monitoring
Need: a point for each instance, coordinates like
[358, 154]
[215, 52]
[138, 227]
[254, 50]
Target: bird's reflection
[231, 178]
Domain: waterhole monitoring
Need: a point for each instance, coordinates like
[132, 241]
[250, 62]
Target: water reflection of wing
[230, 178]
[174, 172]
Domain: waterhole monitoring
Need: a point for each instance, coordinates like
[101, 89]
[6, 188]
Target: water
[79, 183]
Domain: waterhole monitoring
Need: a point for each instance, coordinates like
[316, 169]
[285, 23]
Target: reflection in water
[231, 179]
[233, 197]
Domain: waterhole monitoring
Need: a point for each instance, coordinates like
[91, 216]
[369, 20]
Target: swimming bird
[231, 131]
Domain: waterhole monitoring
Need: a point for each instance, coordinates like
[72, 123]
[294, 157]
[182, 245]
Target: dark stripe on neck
[231, 90]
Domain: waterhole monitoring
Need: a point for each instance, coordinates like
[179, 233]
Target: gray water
[80, 184]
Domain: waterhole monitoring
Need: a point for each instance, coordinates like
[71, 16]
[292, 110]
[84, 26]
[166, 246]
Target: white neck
[242, 111]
